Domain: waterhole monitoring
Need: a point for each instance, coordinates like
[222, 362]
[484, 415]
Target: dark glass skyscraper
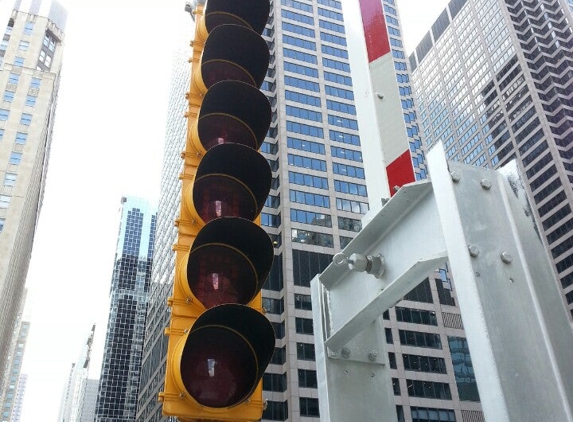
[119, 379]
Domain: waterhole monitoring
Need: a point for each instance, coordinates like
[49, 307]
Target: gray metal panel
[516, 323]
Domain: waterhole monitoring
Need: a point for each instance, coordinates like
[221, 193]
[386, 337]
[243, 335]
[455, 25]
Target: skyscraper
[31, 59]
[74, 393]
[14, 383]
[317, 199]
[119, 379]
[494, 82]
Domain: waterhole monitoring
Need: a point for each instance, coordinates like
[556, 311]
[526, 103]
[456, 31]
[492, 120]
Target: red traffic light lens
[218, 367]
[222, 128]
[218, 195]
[220, 274]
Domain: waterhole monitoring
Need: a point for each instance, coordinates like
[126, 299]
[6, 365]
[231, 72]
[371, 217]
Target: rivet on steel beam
[474, 251]
[506, 257]
[456, 176]
[372, 356]
[345, 353]
[486, 184]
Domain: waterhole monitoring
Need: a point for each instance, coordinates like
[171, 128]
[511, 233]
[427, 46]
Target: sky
[108, 143]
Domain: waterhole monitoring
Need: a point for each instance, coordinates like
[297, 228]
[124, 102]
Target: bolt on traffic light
[219, 341]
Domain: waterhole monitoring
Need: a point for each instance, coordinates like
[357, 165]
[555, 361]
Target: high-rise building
[317, 200]
[88, 404]
[494, 82]
[10, 401]
[155, 345]
[30, 59]
[74, 393]
[19, 398]
[119, 378]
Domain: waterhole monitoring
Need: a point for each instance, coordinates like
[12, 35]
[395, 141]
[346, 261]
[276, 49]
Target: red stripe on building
[375, 32]
[400, 172]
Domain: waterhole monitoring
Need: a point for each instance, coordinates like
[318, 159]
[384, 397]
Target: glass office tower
[317, 199]
[494, 82]
[30, 62]
[119, 378]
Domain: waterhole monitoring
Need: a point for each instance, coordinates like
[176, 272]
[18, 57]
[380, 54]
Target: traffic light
[219, 341]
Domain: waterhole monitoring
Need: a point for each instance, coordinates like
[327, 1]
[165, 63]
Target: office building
[494, 82]
[163, 272]
[14, 382]
[19, 398]
[317, 199]
[74, 394]
[30, 59]
[119, 378]
[88, 404]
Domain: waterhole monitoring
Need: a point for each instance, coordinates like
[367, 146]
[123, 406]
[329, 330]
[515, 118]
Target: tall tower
[494, 80]
[74, 394]
[31, 59]
[318, 197]
[119, 378]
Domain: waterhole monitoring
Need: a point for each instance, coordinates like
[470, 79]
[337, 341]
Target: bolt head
[474, 250]
[456, 176]
[506, 257]
[345, 353]
[372, 356]
[486, 184]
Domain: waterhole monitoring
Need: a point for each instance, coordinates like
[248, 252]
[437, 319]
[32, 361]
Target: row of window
[25, 118]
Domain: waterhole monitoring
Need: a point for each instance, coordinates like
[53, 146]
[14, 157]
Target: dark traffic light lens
[219, 70]
[220, 274]
[219, 195]
[215, 129]
[218, 367]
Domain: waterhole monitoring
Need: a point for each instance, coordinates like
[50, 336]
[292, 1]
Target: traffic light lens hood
[251, 13]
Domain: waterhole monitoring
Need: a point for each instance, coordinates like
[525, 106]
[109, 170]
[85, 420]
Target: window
[35, 83]
[308, 264]
[2, 221]
[279, 356]
[421, 293]
[429, 389]
[303, 145]
[307, 378]
[4, 201]
[349, 224]
[28, 28]
[274, 382]
[351, 188]
[309, 407]
[275, 279]
[8, 96]
[30, 100]
[416, 316]
[9, 179]
[276, 411]
[13, 78]
[26, 119]
[309, 198]
[312, 238]
[428, 414]
[463, 369]
[1, 134]
[4, 114]
[279, 328]
[15, 158]
[417, 339]
[347, 170]
[305, 351]
[310, 217]
[302, 302]
[19, 61]
[304, 326]
[273, 306]
[306, 162]
[23, 46]
[21, 138]
[351, 206]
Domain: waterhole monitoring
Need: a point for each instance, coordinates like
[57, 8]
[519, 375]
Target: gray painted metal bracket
[515, 319]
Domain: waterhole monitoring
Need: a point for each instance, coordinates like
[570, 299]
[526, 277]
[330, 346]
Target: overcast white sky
[108, 142]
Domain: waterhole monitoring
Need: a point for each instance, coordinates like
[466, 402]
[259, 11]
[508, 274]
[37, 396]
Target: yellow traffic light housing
[219, 341]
